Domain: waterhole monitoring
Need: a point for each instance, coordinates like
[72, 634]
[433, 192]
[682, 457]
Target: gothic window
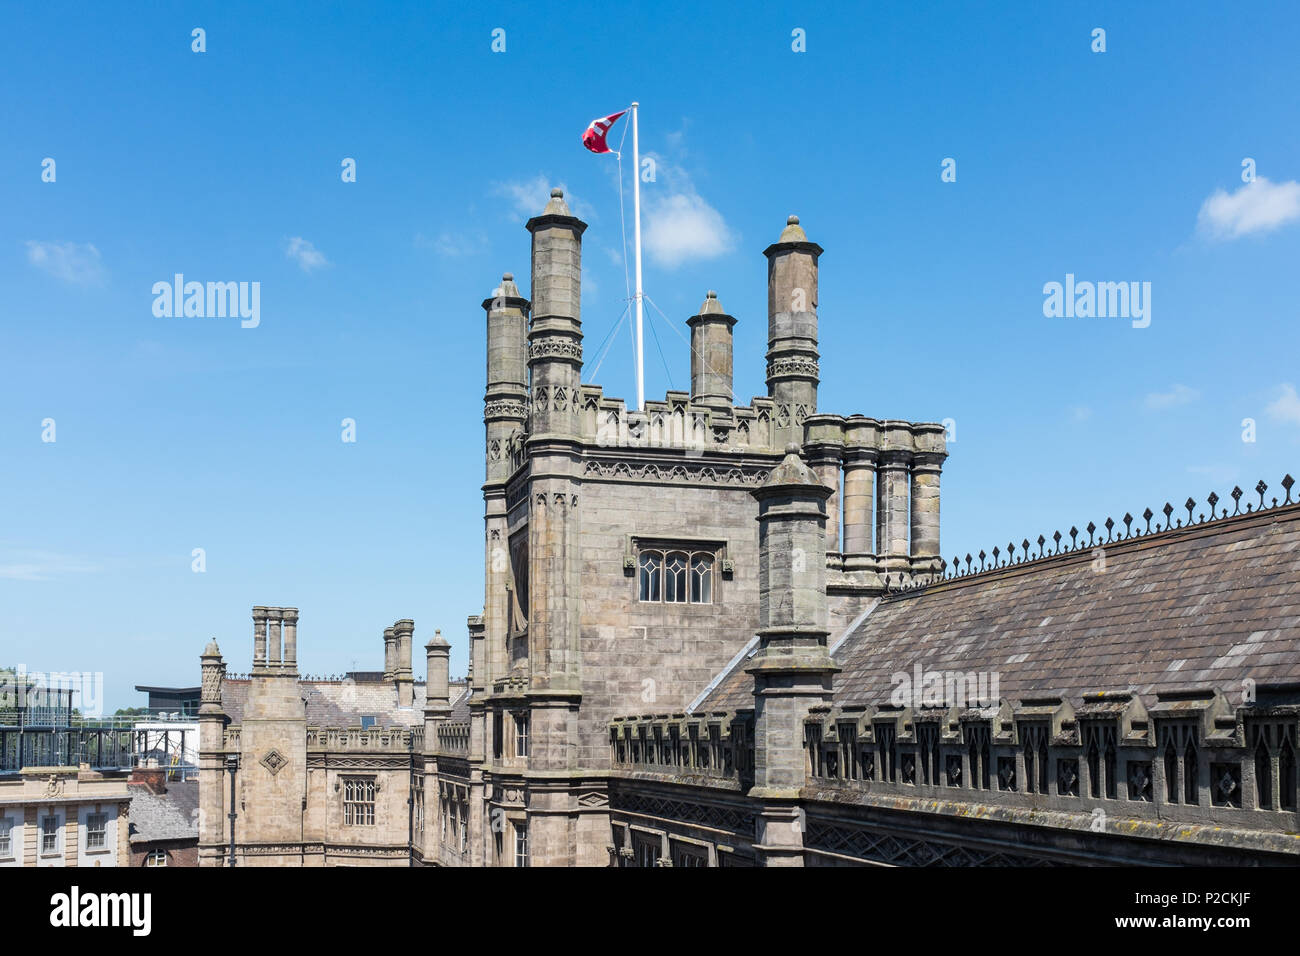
[358, 801]
[701, 579]
[675, 563]
[675, 577]
[652, 566]
[96, 831]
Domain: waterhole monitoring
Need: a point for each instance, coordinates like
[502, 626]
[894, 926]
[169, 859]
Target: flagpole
[636, 202]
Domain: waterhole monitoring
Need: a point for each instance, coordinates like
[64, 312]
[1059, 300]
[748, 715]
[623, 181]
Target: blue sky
[175, 434]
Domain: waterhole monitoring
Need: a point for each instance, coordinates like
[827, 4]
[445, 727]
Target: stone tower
[793, 669]
[792, 373]
[554, 447]
[272, 774]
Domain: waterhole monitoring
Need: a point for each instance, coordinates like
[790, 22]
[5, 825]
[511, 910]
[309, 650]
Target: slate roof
[343, 703]
[164, 816]
[1205, 606]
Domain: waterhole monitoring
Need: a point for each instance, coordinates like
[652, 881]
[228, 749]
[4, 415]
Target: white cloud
[1287, 407]
[1176, 396]
[305, 254]
[1255, 207]
[528, 197]
[70, 261]
[682, 226]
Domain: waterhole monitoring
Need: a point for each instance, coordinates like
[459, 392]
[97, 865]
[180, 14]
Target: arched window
[702, 579]
[652, 566]
[675, 577]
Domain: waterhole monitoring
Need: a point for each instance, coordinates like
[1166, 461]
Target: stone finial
[711, 304]
[792, 473]
[212, 650]
[557, 206]
[506, 290]
[793, 232]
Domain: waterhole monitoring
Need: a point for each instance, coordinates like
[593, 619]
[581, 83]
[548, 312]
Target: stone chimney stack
[259, 640]
[893, 547]
[505, 403]
[711, 353]
[861, 456]
[290, 618]
[390, 654]
[268, 659]
[793, 669]
[274, 663]
[931, 448]
[555, 338]
[403, 631]
[437, 688]
[792, 372]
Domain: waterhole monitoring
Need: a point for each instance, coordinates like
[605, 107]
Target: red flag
[594, 136]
